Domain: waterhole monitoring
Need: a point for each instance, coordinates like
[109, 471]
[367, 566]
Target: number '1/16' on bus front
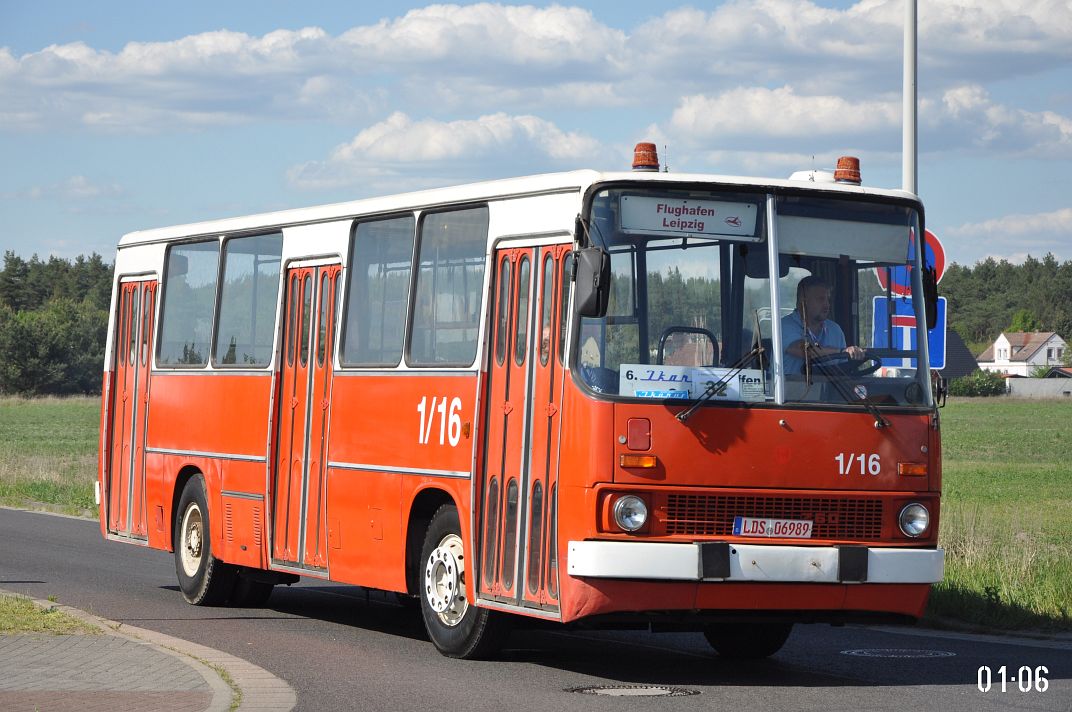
[786, 528]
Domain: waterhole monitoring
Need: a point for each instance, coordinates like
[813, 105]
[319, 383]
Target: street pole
[909, 145]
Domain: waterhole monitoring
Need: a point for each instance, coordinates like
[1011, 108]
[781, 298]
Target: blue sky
[117, 116]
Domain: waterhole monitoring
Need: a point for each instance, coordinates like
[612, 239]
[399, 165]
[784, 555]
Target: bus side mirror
[930, 295]
[592, 286]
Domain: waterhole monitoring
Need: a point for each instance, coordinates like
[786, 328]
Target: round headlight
[914, 519]
[630, 512]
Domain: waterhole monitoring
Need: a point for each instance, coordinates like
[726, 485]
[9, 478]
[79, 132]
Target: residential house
[1019, 353]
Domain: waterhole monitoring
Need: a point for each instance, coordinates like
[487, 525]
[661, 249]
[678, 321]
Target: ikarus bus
[599, 399]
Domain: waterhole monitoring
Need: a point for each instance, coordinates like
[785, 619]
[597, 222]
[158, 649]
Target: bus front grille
[833, 518]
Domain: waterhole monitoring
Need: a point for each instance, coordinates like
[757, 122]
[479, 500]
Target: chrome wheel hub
[444, 580]
[192, 540]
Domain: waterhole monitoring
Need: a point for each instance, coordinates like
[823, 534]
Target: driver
[822, 335]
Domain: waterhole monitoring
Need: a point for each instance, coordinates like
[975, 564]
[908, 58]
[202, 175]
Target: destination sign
[679, 216]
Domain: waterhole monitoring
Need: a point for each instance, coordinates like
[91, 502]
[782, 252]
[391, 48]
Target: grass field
[48, 453]
[1006, 520]
[19, 614]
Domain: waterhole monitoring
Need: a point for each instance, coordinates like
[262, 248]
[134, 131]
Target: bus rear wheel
[203, 579]
[748, 641]
[456, 626]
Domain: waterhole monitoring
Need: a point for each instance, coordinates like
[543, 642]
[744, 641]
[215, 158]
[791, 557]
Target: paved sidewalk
[128, 668]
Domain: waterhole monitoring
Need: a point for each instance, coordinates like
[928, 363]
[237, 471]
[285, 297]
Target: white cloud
[1010, 237]
[75, 188]
[505, 35]
[780, 78]
[856, 47]
[216, 77]
[777, 123]
[424, 149]
[226, 76]
[780, 112]
[1056, 223]
[968, 117]
[488, 57]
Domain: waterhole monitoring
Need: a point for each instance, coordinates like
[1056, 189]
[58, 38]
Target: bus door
[299, 524]
[129, 408]
[518, 564]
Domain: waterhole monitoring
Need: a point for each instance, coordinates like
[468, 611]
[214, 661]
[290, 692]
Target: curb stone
[252, 685]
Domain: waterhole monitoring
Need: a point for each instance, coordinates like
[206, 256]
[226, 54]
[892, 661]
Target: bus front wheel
[748, 641]
[456, 626]
[203, 579]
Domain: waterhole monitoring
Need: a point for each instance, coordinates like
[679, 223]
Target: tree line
[996, 296]
[54, 314]
[53, 324]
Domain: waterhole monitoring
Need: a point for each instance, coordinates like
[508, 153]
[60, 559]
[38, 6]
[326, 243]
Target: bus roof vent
[813, 176]
[645, 158]
[847, 171]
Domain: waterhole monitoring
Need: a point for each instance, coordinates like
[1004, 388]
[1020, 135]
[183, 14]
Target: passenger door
[133, 349]
[518, 564]
[299, 523]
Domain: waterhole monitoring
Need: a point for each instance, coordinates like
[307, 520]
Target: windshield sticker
[642, 380]
[746, 384]
[688, 382]
[662, 394]
[680, 217]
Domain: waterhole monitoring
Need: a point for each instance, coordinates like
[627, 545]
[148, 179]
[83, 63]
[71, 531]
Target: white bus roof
[570, 181]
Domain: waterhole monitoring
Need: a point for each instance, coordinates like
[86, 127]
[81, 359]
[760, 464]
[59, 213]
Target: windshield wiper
[715, 388]
[837, 377]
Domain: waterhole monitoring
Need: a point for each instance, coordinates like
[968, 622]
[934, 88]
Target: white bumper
[751, 562]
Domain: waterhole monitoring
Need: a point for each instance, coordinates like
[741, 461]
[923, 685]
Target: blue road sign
[897, 330]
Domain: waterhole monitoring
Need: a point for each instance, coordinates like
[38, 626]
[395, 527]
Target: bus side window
[563, 308]
[249, 293]
[547, 295]
[377, 295]
[449, 288]
[189, 302]
[503, 312]
[521, 340]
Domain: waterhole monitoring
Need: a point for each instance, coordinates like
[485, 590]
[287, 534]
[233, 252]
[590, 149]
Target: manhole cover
[633, 691]
[898, 653]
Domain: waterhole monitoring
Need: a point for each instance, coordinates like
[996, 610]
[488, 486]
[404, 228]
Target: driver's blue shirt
[829, 335]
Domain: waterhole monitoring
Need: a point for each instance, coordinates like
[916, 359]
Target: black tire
[748, 641]
[457, 627]
[203, 579]
[248, 593]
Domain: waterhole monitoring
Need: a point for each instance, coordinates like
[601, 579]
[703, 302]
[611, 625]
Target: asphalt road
[342, 648]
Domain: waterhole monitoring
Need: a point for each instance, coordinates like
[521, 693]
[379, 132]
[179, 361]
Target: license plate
[779, 528]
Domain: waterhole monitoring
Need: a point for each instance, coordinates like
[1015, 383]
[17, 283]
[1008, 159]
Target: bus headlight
[630, 513]
[914, 519]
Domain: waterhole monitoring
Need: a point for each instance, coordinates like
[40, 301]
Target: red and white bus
[573, 397]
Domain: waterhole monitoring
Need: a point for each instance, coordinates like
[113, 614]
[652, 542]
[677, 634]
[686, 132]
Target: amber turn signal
[642, 461]
[912, 469]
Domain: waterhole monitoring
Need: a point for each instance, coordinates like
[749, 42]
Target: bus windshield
[694, 312]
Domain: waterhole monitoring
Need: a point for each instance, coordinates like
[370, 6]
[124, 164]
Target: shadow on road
[814, 656]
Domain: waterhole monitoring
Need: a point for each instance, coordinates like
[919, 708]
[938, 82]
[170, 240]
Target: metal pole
[909, 145]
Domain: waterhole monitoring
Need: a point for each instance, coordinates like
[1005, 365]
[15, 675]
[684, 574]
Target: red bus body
[334, 472]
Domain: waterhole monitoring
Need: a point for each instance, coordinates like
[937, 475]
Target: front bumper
[719, 561]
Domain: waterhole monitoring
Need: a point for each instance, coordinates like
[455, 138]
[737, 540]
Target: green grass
[48, 453]
[1006, 521]
[19, 614]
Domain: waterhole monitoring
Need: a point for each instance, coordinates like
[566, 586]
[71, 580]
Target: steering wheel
[853, 368]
